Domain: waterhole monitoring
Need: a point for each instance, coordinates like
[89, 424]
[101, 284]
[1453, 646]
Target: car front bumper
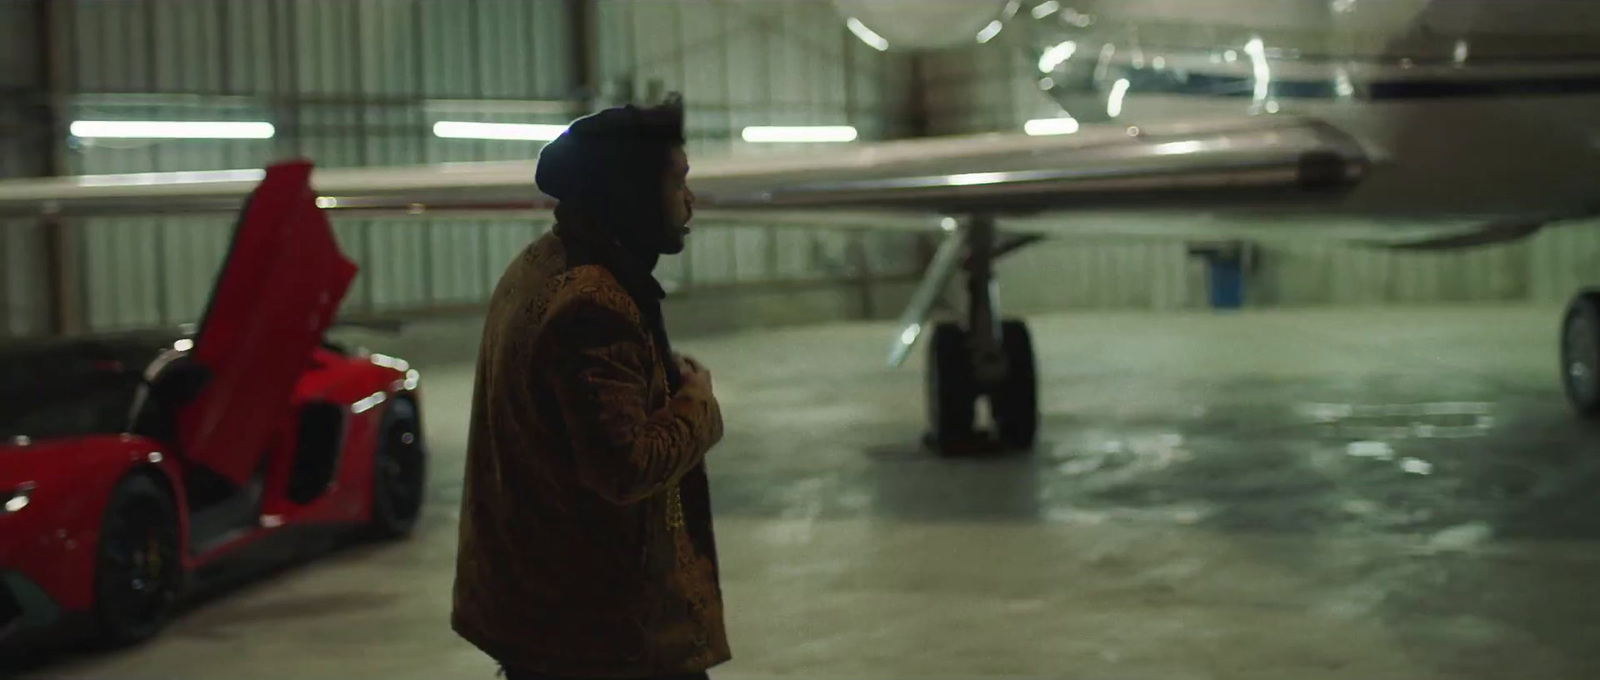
[24, 606]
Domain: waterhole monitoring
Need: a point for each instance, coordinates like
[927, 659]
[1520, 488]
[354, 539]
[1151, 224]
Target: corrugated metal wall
[360, 82]
[1156, 273]
[19, 73]
[1563, 260]
[22, 308]
[753, 62]
[1084, 273]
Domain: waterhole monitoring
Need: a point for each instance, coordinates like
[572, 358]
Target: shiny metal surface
[1225, 156]
[1255, 52]
[919, 24]
[983, 302]
[1471, 106]
[935, 281]
[1104, 168]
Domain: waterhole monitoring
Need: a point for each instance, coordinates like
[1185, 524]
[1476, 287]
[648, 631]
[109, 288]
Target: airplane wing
[1230, 160]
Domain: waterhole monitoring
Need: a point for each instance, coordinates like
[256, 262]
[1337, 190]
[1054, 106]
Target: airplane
[1419, 124]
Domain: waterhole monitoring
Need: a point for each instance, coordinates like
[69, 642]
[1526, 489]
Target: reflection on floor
[1376, 494]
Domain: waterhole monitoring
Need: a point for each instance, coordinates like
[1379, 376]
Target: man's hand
[695, 375]
[697, 387]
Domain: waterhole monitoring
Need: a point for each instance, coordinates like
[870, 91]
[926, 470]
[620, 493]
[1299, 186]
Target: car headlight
[15, 500]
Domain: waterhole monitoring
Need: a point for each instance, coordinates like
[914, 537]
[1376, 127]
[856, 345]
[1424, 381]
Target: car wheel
[138, 566]
[399, 474]
[1580, 354]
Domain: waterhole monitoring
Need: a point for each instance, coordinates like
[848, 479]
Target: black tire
[1015, 401]
[138, 563]
[399, 473]
[1580, 354]
[952, 390]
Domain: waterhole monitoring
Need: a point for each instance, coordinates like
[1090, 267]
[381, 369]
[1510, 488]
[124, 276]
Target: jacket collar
[588, 242]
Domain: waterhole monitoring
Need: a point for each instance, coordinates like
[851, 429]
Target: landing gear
[1580, 354]
[985, 358]
[954, 390]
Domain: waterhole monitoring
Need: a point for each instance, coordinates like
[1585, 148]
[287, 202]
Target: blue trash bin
[1227, 282]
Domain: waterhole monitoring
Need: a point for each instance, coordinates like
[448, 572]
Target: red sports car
[132, 465]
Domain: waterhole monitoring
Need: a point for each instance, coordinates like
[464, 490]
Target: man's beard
[675, 236]
[674, 239]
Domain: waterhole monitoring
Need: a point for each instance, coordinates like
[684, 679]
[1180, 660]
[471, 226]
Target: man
[586, 547]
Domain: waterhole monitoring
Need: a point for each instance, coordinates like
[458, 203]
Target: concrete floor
[1328, 494]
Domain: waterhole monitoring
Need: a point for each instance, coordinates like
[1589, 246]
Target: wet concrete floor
[1312, 494]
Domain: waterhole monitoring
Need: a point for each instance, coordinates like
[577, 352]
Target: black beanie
[601, 157]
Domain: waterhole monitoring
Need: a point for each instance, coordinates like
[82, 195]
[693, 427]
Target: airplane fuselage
[1465, 107]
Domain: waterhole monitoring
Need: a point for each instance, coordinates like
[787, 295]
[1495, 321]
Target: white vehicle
[1396, 123]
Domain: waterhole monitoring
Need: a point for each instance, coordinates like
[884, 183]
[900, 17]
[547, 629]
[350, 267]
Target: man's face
[680, 203]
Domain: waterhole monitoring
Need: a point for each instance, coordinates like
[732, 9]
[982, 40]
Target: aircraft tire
[952, 390]
[1016, 399]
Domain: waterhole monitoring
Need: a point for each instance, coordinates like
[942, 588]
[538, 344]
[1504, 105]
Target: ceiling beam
[48, 144]
[584, 60]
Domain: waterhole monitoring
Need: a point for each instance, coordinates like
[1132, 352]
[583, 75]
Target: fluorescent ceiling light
[1051, 126]
[1119, 91]
[799, 133]
[867, 35]
[1180, 148]
[1057, 55]
[1046, 9]
[454, 129]
[989, 32]
[169, 129]
[1257, 49]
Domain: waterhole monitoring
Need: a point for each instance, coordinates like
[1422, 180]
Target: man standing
[586, 548]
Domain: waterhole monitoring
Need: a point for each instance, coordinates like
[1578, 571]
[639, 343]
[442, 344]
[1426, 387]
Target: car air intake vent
[316, 458]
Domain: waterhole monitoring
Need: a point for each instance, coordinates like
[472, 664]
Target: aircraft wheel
[138, 567]
[952, 390]
[1580, 354]
[399, 474]
[1016, 399]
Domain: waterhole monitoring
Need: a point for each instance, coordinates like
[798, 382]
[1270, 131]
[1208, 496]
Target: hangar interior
[1363, 468]
[351, 83]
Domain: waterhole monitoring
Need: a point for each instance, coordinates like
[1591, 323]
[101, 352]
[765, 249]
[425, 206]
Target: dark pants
[512, 674]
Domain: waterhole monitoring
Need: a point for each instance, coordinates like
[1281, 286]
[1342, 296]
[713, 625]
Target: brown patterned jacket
[585, 540]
